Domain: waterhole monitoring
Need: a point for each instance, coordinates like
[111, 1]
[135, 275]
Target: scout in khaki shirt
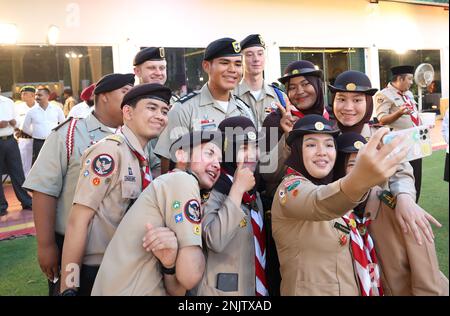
[352, 106]
[406, 267]
[162, 263]
[396, 108]
[54, 175]
[233, 227]
[205, 109]
[259, 95]
[113, 174]
[310, 232]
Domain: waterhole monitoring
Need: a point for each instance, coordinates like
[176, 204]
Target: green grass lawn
[20, 273]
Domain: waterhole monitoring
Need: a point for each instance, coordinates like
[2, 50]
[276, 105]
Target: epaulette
[62, 124]
[188, 96]
[176, 97]
[115, 137]
[241, 100]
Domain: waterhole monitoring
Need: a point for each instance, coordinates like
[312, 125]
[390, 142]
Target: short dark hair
[44, 89]
[398, 77]
[68, 91]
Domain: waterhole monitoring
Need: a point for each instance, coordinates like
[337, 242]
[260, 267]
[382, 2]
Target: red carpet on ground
[17, 222]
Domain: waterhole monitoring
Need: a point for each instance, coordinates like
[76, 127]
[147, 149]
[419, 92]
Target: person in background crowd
[53, 177]
[10, 162]
[444, 130]
[41, 119]
[27, 94]
[82, 109]
[69, 102]
[396, 108]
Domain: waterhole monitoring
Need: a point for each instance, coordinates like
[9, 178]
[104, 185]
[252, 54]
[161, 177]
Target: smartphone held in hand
[417, 139]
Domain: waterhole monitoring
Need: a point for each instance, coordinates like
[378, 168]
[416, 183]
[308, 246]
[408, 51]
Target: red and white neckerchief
[412, 110]
[144, 164]
[259, 237]
[364, 256]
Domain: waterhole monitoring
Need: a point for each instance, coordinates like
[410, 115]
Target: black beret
[149, 53]
[352, 81]
[300, 68]
[221, 48]
[194, 138]
[251, 41]
[28, 89]
[147, 91]
[239, 129]
[112, 82]
[401, 70]
[350, 142]
[312, 124]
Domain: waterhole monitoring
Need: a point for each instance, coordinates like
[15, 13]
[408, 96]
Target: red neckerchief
[297, 113]
[145, 169]
[412, 111]
[290, 171]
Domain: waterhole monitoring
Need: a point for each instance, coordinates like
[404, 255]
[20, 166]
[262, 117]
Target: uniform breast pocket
[130, 189]
[200, 125]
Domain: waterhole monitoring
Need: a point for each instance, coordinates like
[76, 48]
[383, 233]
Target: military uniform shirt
[53, 175]
[197, 111]
[388, 101]
[261, 107]
[110, 179]
[127, 269]
[312, 259]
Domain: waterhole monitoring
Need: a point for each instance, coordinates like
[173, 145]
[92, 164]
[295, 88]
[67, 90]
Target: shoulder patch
[63, 123]
[192, 211]
[103, 165]
[115, 137]
[188, 96]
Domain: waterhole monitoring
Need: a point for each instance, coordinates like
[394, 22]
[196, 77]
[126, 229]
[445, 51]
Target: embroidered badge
[342, 228]
[103, 165]
[86, 173]
[178, 218]
[291, 185]
[350, 86]
[197, 230]
[130, 171]
[243, 223]
[295, 192]
[96, 181]
[282, 196]
[236, 47]
[343, 240]
[362, 229]
[129, 178]
[176, 205]
[192, 211]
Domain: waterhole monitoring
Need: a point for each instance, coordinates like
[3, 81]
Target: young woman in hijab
[309, 225]
[406, 267]
[233, 230]
[352, 107]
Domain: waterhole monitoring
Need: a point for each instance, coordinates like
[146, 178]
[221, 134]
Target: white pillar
[372, 64]
[444, 72]
[273, 64]
[123, 55]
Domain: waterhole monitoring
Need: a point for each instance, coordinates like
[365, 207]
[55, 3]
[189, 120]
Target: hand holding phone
[417, 139]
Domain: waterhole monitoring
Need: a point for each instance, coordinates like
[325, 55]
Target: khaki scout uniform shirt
[407, 267]
[127, 269]
[229, 245]
[110, 179]
[388, 101]
[52, 175]
[312, 259]
[197, 112]
[262, 107]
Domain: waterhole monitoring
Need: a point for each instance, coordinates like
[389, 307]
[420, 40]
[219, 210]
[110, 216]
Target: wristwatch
[165, 270]
[69, 292]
